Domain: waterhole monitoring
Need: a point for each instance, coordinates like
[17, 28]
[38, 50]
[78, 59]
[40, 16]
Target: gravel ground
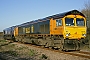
[16, 51]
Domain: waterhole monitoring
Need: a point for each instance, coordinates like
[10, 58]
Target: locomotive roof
[61, 15]
[56, 16]
[9, 28]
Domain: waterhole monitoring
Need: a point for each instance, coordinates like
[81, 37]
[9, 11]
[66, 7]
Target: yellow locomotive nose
[74, 33]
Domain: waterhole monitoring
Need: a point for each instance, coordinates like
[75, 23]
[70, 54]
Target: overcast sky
[14, 12]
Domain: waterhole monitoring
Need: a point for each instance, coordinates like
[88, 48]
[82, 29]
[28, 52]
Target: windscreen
[69, 21]
[80, 22]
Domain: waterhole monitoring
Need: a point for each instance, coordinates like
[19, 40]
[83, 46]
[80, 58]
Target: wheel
[50, 47]
[60, 49]
[42, 46]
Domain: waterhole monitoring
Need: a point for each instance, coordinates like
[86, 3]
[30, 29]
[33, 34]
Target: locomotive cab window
[58, 22]
[69, 21]
[80, 22]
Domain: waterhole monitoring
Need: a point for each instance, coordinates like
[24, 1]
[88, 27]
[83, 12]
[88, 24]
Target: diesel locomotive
[64, 31]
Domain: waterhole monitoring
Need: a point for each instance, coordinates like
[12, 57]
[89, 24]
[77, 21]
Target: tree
[86, 11]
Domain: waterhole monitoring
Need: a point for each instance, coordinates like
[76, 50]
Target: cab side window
[58, 22]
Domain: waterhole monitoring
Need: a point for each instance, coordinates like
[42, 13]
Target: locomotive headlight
[84, 35]
[67, 34]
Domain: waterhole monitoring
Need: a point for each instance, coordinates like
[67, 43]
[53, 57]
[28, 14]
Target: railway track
[73, 53]
[76, 53]
[80, 54]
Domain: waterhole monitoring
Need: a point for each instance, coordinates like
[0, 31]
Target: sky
[15, 12]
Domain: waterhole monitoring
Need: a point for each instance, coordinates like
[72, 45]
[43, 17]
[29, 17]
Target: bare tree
[86, 11]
